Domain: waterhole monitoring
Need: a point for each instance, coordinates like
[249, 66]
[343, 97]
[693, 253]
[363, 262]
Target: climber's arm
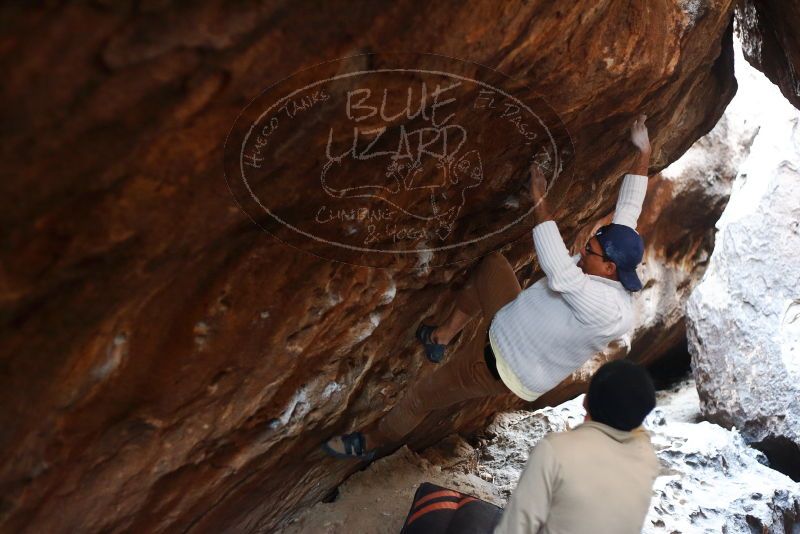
[630, 200]
[588, 300]
[634, 185]
[541, 210]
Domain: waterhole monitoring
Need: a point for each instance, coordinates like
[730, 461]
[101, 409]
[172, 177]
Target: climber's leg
[464, 376]
[454, 323]
[491, 285]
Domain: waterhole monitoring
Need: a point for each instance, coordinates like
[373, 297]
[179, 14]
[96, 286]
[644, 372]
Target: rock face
[744, 335]
[713, 482]
[166, 365]
[767, 29]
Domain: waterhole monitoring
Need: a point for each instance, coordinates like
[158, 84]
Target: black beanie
[621, 394]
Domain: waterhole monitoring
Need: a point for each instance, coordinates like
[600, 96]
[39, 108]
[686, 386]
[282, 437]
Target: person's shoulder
[551, 442]
[565, 447]
[613, 302]
[549, 452]
[612, 288]
[646, 440]
[559, 441]
[646, 452]
[619, 298]
[548, 439]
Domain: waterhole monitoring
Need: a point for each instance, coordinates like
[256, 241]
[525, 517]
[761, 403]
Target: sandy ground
[376, 501]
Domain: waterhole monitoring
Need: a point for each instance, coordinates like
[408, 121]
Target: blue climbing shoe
[434, 351]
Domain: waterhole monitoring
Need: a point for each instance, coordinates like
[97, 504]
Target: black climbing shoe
[434, 351]
[355, 447]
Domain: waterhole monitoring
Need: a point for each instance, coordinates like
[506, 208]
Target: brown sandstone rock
[166, 365]
[768, 31]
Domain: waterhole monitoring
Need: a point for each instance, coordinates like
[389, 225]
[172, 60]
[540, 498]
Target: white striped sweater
[557, 324]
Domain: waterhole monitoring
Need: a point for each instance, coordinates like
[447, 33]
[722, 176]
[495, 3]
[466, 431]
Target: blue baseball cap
[623, 246]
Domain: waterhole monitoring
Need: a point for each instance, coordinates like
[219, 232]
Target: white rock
[743, 320]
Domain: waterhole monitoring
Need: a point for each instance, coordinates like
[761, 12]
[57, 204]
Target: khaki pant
[464, 375]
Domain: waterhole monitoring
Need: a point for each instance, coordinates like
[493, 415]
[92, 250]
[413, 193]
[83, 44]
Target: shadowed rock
[768, 30]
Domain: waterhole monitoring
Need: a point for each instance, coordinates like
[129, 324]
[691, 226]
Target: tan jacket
[593, 479]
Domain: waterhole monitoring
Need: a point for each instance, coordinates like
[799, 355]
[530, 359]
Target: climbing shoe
[355, 447]
[433, 351]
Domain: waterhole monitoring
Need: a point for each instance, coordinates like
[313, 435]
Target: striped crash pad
[438, 510]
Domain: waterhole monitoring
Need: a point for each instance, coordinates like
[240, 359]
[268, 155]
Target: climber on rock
[528, 340]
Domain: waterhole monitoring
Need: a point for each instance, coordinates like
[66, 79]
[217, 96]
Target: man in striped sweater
[528, 340]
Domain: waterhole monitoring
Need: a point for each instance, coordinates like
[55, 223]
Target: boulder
[743, 317]
[168, 366]
[712, 481]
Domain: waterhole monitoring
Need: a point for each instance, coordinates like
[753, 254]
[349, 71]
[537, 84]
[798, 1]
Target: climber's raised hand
[541, 210]
[538, 183]
[639, 136]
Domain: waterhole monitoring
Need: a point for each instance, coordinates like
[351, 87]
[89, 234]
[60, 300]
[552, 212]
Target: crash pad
[438, 510]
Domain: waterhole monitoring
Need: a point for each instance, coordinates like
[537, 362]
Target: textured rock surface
[744, 316]
[768, 30]
[711, 481]
[168, 366]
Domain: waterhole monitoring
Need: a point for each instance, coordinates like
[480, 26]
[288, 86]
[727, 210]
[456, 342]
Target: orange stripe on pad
[440, 506]
[436, 495]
